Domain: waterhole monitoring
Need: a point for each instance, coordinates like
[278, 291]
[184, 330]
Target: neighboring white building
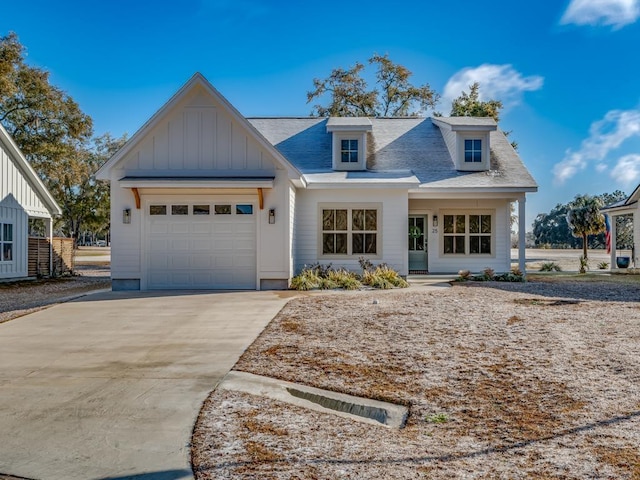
[628, 206]
[22, 196]
[204, 198]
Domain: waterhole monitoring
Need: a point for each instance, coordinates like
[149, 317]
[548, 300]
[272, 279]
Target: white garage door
[201, 245]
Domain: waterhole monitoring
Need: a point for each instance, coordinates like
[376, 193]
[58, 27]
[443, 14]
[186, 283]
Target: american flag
[607, 237]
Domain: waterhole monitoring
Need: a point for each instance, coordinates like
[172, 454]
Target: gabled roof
[414, 146]
[467, 123]
[628, 204]
[28, 172]
[349, 124]
[196, 80]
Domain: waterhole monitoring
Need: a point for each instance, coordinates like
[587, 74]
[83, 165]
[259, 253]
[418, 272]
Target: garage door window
[179, 209]
[157, 210]
[201, 209]
[222, 209]
[244, 209]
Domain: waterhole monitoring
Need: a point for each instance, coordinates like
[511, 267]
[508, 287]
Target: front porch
[625, 207]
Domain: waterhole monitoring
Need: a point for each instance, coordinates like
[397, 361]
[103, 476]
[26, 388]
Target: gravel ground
[536, 380]
[23, 297]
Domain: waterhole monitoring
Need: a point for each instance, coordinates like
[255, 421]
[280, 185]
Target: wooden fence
[39, 257]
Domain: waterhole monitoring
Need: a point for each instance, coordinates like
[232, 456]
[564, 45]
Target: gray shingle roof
[468, 121]
[409, 145]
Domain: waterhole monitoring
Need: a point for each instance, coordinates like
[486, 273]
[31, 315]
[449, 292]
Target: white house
[22, 196]
[628, 206]
[204, 198]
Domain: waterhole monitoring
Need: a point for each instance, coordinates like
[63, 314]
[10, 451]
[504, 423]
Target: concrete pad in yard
[110, 385]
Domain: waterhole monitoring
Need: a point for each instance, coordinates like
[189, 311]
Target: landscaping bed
[503, 380]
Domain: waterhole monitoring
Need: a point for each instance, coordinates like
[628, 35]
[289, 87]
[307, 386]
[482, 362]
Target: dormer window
[349, 151]
[349, 144]
[467, 139]
[472, 151]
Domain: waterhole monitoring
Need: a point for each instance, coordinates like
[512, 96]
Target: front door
[418, 261]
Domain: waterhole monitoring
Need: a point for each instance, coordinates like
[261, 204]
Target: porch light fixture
[435, 220]
[126, 215]
[272, 216]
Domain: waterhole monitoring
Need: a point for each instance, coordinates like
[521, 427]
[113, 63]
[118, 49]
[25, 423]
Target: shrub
[463, 275]
[308, 279]
[383, 277]
[344, 279]
[488, 274]
[603, 265]
[550, 267]
[584, 264]
[515, 275]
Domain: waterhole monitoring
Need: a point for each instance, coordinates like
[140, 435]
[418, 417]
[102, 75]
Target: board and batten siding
[11, 212]
[393, 225]
[126, 258]
[13, 182]
[293, 220]
[197, 136]
[500, 261]
[274, 242]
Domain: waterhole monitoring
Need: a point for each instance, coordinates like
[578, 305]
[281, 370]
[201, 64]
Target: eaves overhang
[196, 182]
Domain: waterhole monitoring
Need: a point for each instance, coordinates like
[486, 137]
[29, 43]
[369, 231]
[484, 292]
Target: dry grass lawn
[536, 380]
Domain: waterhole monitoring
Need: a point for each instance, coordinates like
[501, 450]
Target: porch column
[636, 243]
[612, 225]
[48, 225]
[522, 235]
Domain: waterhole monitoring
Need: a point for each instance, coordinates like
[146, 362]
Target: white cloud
[497, 82]
[604, 136]
[616, 13]
[601, 167]
[627, 170]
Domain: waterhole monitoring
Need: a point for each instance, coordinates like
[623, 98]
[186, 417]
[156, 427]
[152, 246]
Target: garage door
[201, 246]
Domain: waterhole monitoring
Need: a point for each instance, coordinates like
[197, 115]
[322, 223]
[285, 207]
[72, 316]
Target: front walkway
[109, 386]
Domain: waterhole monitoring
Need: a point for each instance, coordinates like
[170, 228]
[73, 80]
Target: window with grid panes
[349, 231]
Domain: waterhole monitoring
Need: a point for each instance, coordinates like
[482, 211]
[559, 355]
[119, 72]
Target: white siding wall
[450, 140]
[197, 136]
[636, 237]
[11, 212]
[393, 226]
[12, 182]
[274, 241]
[126, 256]
[500, 261]
[292, 228]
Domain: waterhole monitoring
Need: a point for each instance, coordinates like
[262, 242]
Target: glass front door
[418, 261]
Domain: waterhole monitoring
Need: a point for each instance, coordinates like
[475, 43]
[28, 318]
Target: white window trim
[12, 242]
[467, 243]
[349, 207]
[486, 151]
[338, 164]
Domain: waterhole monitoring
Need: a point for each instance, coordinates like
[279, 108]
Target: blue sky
[567, 71]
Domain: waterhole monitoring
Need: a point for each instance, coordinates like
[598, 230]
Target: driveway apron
[110, 385]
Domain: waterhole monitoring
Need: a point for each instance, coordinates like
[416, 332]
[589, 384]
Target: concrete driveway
[110, 385]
